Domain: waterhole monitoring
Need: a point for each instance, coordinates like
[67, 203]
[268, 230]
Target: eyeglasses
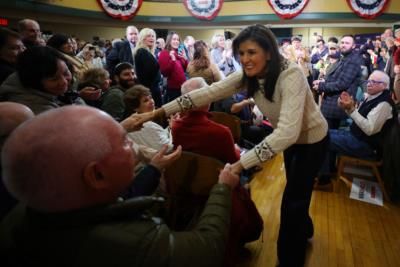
[373, 82]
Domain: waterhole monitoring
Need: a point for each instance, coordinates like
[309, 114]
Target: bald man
[74, 168]
[11, 116]
[29, 30]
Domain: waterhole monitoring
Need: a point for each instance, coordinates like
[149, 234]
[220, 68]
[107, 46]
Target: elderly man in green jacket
[67, 167]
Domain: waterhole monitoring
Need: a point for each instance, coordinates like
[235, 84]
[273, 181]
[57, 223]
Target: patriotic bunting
[203, 9]
[121, 9]
[368, 9]
[288, 9]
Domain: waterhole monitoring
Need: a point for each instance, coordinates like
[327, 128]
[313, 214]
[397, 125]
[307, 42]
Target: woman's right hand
[172, 55]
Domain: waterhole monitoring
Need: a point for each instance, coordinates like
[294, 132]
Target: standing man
[30, 32]
[346, 77]
[123, 51]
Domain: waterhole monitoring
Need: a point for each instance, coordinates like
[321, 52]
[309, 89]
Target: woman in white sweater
[281, 92]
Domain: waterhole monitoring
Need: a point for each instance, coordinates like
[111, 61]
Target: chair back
[230, 121]
[192, 174]
[188, 183]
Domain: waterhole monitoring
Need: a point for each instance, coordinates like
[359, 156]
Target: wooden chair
[188, 183]
[372, 164]
[230, 121]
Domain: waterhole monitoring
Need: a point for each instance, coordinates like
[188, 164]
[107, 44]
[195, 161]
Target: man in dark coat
[346, 77]
[68, 183]
[123, 51]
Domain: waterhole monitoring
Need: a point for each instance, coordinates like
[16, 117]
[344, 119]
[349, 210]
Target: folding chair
[372, 164]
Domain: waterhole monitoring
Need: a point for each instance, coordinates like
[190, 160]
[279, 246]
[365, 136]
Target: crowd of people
[88, 127]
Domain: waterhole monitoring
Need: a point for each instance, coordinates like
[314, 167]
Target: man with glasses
[370, 120]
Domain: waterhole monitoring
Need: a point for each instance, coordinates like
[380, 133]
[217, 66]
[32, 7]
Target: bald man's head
[194, 84]
[30, 31]
[66, 159]
[11, 116]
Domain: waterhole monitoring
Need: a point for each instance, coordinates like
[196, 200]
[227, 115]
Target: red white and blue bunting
[368, 9]
[288, 9]
[203, 9]
[121, 9]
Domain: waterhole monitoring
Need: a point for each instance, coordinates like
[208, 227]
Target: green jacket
[112, 102]
[116, 235]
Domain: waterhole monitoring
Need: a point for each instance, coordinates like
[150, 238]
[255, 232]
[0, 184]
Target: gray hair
[193, 84]
[383, 77]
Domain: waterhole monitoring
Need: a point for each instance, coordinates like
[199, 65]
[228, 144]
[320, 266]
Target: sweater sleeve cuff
[249, 159]
[171, 108]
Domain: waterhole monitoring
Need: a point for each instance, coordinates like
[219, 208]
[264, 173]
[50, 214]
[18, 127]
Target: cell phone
[181, 49]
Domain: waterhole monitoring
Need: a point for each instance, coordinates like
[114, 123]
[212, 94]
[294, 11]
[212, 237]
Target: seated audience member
[113, 99]
[195, 132]
[90, 54]
[99, 81]
[30, 32]
[69, 214]
[251, 133]
[42, 76]
[148, 176]
[10, 47]
[374, 115]
[138, 100]
[63, 44]
[11, 116]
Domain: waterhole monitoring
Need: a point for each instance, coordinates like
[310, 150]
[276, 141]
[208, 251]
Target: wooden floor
[347, 232]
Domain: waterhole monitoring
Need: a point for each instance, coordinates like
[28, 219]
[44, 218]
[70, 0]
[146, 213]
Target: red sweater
[173, 70]
[196, 133]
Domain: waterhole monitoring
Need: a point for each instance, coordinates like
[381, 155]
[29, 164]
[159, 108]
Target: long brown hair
[169, 39]
[201, 59]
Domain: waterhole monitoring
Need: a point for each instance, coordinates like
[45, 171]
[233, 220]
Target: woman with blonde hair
[147, 68]
[220, 56]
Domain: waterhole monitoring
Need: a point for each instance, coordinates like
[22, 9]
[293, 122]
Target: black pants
[302, 163]
[333, 123]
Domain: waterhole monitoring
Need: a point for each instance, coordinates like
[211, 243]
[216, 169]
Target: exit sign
[3, 22]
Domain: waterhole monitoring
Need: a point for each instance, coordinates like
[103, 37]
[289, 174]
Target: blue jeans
[343, 142]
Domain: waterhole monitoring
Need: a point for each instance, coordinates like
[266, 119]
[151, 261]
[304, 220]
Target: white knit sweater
[293, 113]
